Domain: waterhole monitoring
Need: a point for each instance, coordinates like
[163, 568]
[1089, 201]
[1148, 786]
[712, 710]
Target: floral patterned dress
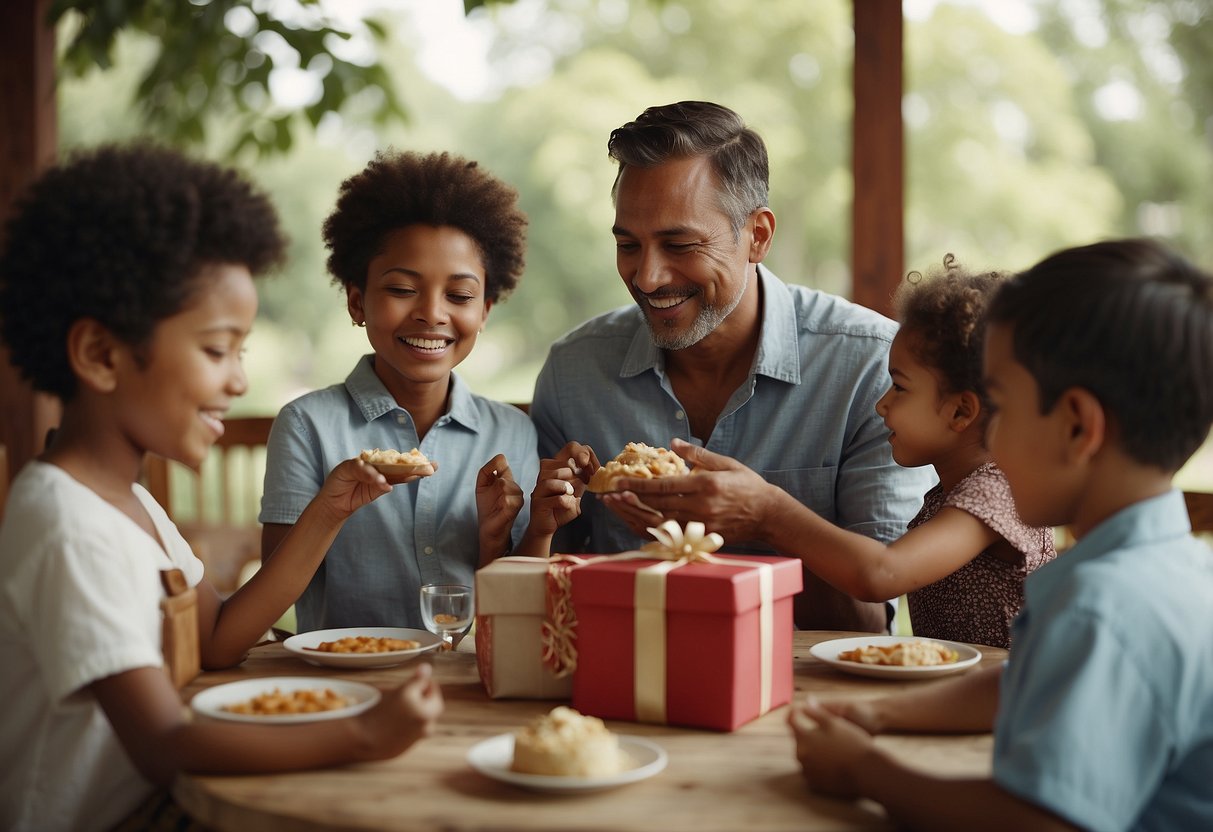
[978, 601]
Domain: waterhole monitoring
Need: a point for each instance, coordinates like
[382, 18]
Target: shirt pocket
[813, 487]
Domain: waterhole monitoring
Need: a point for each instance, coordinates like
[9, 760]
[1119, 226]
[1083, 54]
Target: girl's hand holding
[402, 716]
[723, 494]
[351, 485]
[498, 501]
[831, 749]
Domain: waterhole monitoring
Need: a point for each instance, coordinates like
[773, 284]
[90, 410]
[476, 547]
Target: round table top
[748, 779]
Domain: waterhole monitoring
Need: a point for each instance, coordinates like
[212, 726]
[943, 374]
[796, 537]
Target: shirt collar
[1155, 520]
[778, 353]
[373, 399]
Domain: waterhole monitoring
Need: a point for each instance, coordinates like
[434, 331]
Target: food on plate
[637, 460]
[277, 703]
[365, 644]
[391, 461]
[902, 654]
[566, 744]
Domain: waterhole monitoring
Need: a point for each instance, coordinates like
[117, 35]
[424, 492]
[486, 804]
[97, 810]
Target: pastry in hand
[637, 460]
[392, 463]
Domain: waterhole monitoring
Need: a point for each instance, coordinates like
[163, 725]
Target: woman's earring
[357, 323]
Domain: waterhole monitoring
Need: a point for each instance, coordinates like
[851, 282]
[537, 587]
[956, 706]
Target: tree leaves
[216, 62]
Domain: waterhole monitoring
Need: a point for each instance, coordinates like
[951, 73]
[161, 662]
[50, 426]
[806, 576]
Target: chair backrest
[216, 508]
[3, 478]
[1200, 510]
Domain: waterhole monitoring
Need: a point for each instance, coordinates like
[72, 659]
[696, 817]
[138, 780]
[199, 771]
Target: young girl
[963, 561]
[126, 291]
[423, 246]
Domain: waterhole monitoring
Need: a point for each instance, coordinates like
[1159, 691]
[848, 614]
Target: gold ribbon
[677, 547]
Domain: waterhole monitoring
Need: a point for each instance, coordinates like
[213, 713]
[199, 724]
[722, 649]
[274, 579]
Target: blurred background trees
[1030, 126]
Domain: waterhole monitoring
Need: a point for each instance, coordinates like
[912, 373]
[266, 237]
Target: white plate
[492, 758]
[299, 645]
[210, 702]
[828, 652]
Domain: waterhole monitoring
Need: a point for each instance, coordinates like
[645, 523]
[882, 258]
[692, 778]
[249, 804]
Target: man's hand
[724, 495]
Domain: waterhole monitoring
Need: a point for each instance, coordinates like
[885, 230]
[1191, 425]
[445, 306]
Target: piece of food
[392, 462]
[902, 654]
[277, 703]
[564, 743]
[637, 460]
[365, 644]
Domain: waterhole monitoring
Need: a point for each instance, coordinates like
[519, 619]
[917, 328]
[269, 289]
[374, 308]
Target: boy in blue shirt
[1099, 362]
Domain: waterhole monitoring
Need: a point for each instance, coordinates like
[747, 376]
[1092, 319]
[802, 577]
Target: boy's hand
[830, 748]
[498, 501]
[402, 716]
[726, 496]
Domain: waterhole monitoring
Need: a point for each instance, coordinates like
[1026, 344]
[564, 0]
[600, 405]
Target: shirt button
[429, 550]
[400, 419]
[678, 414]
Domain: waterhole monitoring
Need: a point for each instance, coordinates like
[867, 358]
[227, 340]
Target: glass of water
[446, 610]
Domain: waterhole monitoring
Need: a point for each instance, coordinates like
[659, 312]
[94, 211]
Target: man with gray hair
[719, 353]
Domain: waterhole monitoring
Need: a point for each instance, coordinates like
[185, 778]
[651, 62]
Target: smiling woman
[423, 246]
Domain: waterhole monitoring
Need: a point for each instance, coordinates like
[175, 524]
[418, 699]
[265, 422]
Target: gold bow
[691, 545]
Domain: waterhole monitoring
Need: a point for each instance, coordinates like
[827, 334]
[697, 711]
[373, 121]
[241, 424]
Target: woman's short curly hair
[943, 313]
[119, 234]
[399, 189]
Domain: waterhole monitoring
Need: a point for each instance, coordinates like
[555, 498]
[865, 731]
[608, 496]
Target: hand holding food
[640, 461]
[391, 462]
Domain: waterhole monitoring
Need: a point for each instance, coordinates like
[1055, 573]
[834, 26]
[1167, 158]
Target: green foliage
[1008, 156]
[214, 60]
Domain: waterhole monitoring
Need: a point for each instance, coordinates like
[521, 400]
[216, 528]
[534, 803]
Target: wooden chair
[3, 479]
[216, 509]
[1200, 510]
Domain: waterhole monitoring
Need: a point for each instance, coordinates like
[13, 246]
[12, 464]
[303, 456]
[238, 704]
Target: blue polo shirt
[1106, 706]
[423, 532]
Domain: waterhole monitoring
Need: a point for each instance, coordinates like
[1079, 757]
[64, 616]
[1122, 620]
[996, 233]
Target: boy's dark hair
[942, 313]
[119, 234]
[698, 128]
[399, 189]
[1129, 321]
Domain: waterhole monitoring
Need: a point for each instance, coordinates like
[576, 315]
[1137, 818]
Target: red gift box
[710, 670]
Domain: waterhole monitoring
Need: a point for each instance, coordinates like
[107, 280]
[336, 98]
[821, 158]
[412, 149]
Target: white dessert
[564, 743]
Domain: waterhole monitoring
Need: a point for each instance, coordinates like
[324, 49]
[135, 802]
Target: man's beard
[705, 323]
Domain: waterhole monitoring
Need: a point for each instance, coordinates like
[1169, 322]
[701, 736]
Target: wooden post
[878, 153]
[28, 145]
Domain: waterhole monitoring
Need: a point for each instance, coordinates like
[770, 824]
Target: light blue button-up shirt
[1106, 707]
[423, 532]
[805, 418]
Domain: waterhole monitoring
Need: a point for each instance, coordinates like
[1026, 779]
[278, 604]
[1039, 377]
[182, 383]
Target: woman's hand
[498, 501]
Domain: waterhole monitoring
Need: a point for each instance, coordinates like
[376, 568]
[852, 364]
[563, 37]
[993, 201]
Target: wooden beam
[28, 145]
[878, 155]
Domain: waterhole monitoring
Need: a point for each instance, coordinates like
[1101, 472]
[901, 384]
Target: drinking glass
[446, 610]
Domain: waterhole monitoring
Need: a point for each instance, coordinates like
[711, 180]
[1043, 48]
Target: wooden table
[747, 780]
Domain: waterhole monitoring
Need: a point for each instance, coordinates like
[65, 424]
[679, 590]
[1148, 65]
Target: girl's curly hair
[120, 234]
[943, 312]
[399, 189]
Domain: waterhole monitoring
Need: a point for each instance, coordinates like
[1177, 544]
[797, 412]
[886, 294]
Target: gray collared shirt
[424, 531]
[805, 418]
